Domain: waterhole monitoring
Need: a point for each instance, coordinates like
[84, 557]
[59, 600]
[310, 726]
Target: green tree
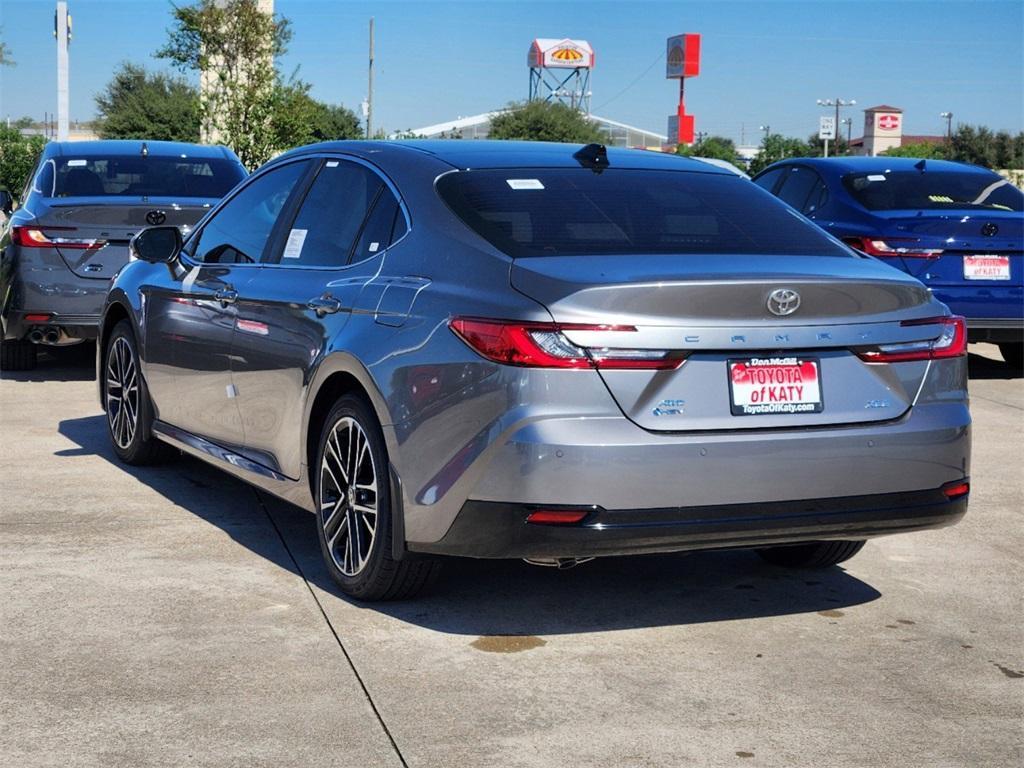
[232, 44]
[23, 122]
[18, 156]
[5, 54]
[835, 146]
[297, 118]
[775, 147]
[140, 105]
[545, 121]
[924, 150]
[717, 147]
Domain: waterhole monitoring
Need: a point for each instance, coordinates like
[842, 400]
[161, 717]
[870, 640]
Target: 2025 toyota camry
[538, 351]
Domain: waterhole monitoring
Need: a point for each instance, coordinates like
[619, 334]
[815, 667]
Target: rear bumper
[497, 530]
[71, 326]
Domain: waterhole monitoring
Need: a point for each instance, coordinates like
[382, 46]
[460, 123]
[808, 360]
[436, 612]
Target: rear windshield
[138, 176]
[933, 190]
[569, 211]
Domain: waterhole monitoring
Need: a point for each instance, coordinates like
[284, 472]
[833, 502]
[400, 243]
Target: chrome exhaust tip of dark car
[561, 563]
[53, 336]
[36, 336]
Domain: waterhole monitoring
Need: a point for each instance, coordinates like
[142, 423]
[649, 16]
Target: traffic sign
[826, 127]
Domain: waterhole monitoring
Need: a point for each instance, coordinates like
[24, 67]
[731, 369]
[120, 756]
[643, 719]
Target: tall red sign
[682, 60]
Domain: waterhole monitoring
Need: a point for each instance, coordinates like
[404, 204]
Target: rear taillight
[544, 345]
[35, 237]
[951, 342]
[904, 247]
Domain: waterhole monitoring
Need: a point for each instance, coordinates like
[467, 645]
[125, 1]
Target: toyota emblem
[156, 218]
[989, 229]
[783, 301]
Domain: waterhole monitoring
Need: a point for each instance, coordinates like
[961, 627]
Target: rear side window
[567, 212]
[238, 232]
[142, 176]
[797, 188]
[331, 217]
[768, 179]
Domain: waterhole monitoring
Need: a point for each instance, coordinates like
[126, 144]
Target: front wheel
[354, 509]
[817, 554]
[126, 400]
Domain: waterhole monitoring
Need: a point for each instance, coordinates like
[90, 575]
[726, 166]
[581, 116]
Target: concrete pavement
[173, 616]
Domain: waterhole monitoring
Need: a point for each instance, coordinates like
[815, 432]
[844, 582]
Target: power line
[637, 79]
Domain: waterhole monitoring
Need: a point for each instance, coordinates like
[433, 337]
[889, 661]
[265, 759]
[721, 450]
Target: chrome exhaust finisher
[561, 563]
[36, 336]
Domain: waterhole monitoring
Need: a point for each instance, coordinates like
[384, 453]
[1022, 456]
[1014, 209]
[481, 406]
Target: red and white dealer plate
[986, 267]
[765, 385]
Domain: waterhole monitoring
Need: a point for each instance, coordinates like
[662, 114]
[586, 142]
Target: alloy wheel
[122, 392]
[348, 496]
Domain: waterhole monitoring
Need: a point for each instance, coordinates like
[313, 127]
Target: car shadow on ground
[981, 366]
[73, 363]
[489, 597]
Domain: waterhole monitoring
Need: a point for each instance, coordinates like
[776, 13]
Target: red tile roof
[883, 108]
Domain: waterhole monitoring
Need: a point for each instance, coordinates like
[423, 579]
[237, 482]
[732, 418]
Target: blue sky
[763, 63]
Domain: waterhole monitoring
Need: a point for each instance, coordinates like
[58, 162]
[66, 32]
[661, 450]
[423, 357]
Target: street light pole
[948, 117]
[369, 91]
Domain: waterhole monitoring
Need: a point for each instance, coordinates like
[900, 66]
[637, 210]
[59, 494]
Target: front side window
[141, 176]
[238, 232]
[528, 212]
[332, 215]
[933, 190]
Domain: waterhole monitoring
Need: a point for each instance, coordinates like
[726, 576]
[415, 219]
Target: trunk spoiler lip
[131, 201]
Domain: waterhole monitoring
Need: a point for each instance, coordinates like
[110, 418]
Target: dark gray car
[82, 204]
[538, 351]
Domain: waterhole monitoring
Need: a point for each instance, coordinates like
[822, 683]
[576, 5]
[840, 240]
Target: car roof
[122, 147]
[482, 153]
[880, 164]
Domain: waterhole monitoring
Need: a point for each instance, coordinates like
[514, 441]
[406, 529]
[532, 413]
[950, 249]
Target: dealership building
[883, 130]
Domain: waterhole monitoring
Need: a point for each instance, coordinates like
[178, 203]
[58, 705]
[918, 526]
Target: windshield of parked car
[933, 190]
[568, 211]
[138, 176]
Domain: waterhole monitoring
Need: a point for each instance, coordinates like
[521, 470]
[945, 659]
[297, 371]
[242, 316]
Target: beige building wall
[883, 129]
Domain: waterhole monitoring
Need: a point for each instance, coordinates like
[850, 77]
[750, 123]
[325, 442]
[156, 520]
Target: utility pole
[369, 93]
[948, 117]
[767, 130]
[837, 103]
[62, 31]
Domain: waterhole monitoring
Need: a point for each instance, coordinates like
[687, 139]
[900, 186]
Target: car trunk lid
[110, 223]
[716, 308]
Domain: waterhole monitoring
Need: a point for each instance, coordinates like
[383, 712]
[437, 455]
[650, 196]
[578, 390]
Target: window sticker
[77, 163]
[525, 183]
[332, 163]
[876, 177]
[374, 247]
[296, 239]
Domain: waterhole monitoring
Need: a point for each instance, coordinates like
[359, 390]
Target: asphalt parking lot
[172, 616]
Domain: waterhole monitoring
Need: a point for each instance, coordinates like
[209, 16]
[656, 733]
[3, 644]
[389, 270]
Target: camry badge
[989, 229]
[156, 218]
[783, 301]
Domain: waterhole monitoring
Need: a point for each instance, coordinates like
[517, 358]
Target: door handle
[324, 305]
[226, 296]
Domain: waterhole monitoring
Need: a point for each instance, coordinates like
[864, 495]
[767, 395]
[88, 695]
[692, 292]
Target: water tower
[560, 71]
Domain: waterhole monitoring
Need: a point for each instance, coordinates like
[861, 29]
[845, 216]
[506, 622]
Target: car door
[191, 310]
[310, 284]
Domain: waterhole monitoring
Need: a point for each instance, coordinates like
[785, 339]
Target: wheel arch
[114, 313]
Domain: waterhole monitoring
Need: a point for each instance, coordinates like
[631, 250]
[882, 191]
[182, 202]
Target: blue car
[957, 228]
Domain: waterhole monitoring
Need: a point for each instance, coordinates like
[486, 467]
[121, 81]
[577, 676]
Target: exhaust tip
[35, 336]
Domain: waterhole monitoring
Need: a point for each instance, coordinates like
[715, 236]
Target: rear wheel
[126, 399]
[1013, 354]
[817, 554]
[354, 509]
[17, 355]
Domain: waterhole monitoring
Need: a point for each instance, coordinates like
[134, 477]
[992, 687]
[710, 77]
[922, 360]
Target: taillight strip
[36, 237]
[951, 342]
[544, 345]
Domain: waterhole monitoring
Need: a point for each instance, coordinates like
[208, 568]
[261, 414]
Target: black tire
[17, 355]
[817, 554]
[133, 443]
[1013, 354]
[365, 571]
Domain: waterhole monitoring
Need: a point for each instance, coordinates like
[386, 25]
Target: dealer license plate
[986, 267]
[765, 385]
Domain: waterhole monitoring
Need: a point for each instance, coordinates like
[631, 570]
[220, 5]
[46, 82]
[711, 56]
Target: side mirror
[157, 245]
[6, 201]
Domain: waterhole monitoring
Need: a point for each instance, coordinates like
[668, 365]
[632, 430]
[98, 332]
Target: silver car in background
[82, 203]
[539, 351]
